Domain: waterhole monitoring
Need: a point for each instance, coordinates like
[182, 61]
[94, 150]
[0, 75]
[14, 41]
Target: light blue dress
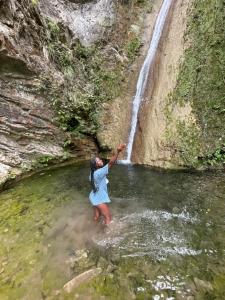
[101, 195]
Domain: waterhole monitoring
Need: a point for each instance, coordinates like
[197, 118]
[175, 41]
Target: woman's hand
[113, 159]
[121, 147]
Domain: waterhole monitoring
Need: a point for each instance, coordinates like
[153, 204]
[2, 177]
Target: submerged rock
[80, 261]
[82, 278]
[203, 285]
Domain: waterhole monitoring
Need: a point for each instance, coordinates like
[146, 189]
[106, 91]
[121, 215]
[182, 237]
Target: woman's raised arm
[113, 159]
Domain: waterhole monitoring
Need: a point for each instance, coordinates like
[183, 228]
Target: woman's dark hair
[93, 167]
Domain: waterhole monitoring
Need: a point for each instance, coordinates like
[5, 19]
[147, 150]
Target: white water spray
[143, 76]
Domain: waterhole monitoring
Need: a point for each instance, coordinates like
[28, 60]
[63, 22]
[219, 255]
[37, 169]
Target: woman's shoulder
[102, 171]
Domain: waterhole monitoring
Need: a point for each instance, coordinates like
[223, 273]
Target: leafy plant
[53, 26]
[132, 48]
[45, 160]
[216, 158]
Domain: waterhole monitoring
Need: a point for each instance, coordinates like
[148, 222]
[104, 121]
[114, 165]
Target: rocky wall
[29, 130]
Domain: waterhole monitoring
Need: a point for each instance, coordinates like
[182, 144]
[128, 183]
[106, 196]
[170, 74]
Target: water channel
[166, 241]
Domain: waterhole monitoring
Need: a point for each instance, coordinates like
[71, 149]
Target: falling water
[143, 76]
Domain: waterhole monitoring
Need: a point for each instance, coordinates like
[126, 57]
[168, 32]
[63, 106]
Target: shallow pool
[167, 239]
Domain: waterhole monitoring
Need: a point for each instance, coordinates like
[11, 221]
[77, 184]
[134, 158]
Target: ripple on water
[153, 233]
[161, 218]
[172, 283]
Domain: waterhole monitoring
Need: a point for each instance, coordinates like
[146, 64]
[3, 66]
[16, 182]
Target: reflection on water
[166, 240]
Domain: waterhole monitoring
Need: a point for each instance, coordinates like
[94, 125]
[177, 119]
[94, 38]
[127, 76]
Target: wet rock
[5, 263]
[106, 265]
[4, 172]
[176, 260]
[80, 261]
[81, 254]
[176, 210]
[56, 293]
[115, 258]
[202, 285]
[111, 268]
[82, 278]
[102, 263]
[190, 298]
[191, 287]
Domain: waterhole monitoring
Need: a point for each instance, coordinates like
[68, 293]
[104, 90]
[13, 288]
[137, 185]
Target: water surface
[166, 240]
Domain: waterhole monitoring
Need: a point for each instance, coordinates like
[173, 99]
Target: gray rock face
[26, 126]
[27, 121]
[87, 20]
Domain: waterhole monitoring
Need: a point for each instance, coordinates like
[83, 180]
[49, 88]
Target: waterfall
[143, 76]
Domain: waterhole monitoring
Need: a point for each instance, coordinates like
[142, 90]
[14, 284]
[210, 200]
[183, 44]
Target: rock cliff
[181, 118]
[68, 73]
[151, 146]
[60, 62]
[29, 130]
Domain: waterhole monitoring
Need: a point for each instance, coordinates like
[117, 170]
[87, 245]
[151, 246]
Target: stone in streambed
[202, 285]
[83, 277]
[102, 263]
[105, 265]
[176, 210]
[190, 298]
[2, 270]
[81, 261]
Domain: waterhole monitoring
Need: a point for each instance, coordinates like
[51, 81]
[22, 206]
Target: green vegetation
[136, 2]
[201, 79]
[132, 48]
[217, 158]
[27, 212]
[90, 77]
[45, 160]
[186, 142]
[34, 2]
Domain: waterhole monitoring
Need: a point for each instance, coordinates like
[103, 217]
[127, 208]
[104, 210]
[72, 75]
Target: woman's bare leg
[104, 209]
[96, 214]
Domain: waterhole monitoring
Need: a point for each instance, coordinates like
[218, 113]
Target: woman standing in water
[99, 197]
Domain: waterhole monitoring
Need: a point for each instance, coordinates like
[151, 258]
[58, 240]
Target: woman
[99, 197]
